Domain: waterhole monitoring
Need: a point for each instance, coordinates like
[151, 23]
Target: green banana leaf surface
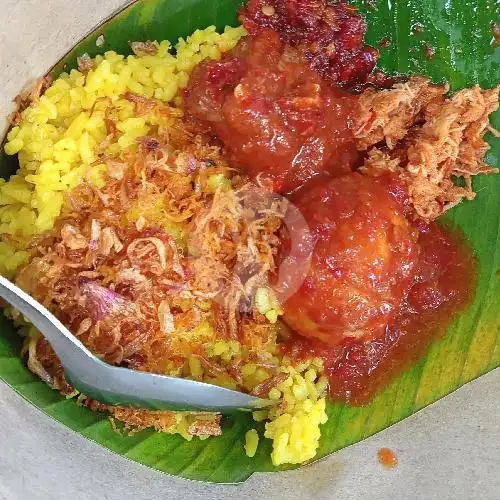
[460, 34]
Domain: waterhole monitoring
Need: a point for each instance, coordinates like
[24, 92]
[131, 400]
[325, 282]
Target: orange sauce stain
[387, 458]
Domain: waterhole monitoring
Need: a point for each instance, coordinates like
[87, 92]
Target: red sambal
[381, 286]
[363, 261]
[278, 120]
[443, 284]
[330, 35]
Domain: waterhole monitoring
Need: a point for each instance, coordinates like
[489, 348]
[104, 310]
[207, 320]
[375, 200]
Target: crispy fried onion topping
[234, 244]
[28, 96]
[163, 258]
[198, 423]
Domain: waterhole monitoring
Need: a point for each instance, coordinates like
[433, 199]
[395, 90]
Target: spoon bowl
[119, 386]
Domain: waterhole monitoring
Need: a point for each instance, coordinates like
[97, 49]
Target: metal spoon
[120, 386]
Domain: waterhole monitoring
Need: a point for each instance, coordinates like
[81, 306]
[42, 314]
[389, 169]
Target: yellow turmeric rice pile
[63, 133]
[121, 222]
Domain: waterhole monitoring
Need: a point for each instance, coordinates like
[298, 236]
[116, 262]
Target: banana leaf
[460, 34]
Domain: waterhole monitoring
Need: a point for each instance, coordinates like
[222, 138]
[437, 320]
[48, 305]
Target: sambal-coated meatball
[277, 119]
[365, 251]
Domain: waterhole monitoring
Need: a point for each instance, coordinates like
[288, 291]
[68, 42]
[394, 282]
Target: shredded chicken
[449, 144]
[428, 139]
[387, 115]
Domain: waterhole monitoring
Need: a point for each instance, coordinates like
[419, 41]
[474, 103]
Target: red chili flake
[317, 27]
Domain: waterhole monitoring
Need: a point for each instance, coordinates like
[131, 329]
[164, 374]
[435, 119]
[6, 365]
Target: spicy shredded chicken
[387, 115]
[429, 139]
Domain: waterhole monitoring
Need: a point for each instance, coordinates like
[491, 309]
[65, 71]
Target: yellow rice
[57, 138]
[56, 142]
